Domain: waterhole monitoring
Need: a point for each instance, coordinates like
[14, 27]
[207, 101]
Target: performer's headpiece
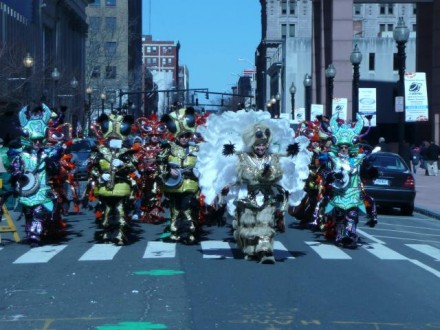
[180, 121]
[257, 134]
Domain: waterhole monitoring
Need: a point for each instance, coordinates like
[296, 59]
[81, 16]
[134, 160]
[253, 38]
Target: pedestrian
[384, 147]
[415, 158]
[432, 156]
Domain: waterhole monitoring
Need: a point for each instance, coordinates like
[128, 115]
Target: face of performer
[343, 149]
[154, 138]
[184, 139]
[260, 149]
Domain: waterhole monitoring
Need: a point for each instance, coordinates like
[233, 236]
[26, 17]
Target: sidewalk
[427, 194]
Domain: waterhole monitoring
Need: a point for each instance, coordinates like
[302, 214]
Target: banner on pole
[367, 105]
[416, 97]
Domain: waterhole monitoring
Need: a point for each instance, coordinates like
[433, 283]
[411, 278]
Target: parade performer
[180, 185]
[29, 173]
[346, 199]
[262, 166]
[149, 190]
[111, 167]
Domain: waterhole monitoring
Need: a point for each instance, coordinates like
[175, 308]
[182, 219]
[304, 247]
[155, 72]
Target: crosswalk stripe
[100, 252]
[216, 250]
[280, 251]
[160, 250]
[328, 251]
[426, 249]
[383, 252]
[41, 254]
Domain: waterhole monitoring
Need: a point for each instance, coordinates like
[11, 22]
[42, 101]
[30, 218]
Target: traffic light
[222, 102]
[207, 95]
[197, 101]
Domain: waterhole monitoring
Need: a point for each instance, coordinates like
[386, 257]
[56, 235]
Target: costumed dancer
[111, 168]
[262, 166]
[180, 185]
[149, 190]
[28, 174]
[346, 198]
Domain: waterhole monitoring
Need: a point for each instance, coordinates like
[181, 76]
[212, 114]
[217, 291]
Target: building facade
[113, 56]
[51, 36]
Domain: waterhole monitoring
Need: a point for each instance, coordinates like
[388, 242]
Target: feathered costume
[257, 187]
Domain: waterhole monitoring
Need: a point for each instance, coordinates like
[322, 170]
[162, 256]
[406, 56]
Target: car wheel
[407, 209]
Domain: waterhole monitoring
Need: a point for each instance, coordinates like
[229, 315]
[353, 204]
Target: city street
[391, 281]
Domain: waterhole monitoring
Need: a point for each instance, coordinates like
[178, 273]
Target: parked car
[394, 186]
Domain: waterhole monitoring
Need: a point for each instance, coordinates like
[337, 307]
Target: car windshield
[388, 162]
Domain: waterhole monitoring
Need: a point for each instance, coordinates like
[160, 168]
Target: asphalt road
[392, 281]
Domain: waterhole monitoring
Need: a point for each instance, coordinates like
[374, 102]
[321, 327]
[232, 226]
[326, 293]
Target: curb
[429, 213]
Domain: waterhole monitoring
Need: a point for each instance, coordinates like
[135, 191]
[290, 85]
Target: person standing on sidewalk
[432, 156]
[415, 158]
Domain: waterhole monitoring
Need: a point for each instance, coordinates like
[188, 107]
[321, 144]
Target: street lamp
[355, 59]
[28, 63]
[401, 35]
[278, 107]
[55, 77]
[292, 91]
[330, 73]
[308, 94]
[103, 97]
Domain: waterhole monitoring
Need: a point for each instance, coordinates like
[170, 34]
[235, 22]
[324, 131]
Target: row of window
[384, 9]
[154, 49]
[288, 7]
[109, 3]
[287, 30]
[95, 23]
[110, 72]
[153, 61]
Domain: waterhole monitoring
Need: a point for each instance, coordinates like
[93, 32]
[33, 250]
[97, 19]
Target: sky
[213, 35]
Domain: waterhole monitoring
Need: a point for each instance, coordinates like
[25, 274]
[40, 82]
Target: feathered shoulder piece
[228, 149]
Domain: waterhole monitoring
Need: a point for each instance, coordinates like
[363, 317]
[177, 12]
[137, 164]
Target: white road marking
[383, 252]
[100, 252]
[41, 254]
[281, 252]
[216, 250]
[371, 237]
[160, 250]
[328, 251]
[426, 249]
[425, 267]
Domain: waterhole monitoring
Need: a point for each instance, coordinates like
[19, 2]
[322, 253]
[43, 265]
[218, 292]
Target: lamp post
[55, 77]
[28, 63]
[308, 94]
[103, 97]
[89, 91]
[330, 73]
[292, 91]
[355, 59]
[74, 84]
[273, 109]
[401, 35]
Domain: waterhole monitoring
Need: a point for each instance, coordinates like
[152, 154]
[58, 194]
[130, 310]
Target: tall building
[291, 47]
[161, 62]
[113, 56]
[50, 35]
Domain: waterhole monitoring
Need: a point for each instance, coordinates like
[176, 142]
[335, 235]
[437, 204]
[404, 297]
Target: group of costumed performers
[112, 165]
[335, 193]
[40, 171]
[256, 166]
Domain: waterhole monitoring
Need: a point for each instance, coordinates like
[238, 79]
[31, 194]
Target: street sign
[399, 104]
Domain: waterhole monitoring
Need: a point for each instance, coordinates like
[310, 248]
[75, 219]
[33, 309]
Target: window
[170, 60]
[148, 49]
[110, 48]
[164, 61]
[283, 7]
[390, 27]
[371, 61]
[414, 27]
[291, 30]
[96, 72]
[292, 7]
[155, 60]
[382, 28]
[283, 31]
[110, 2]
[148, 60]
[357, 9]
[94, 23]
[95, 2]
[386, 9]
[154, 49]
[110, 72]
[110, 24]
